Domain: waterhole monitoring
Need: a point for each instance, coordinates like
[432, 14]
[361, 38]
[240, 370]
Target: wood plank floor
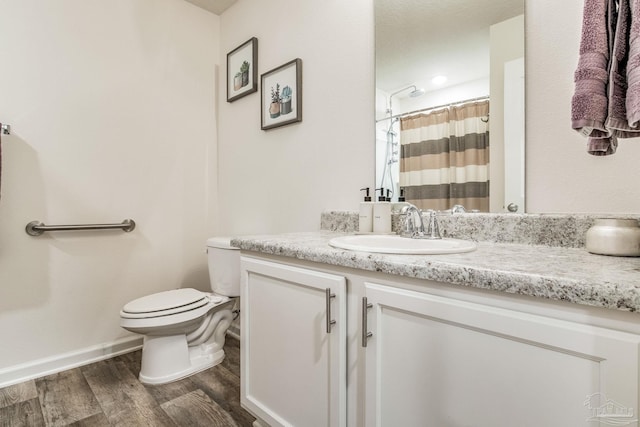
[108, 393]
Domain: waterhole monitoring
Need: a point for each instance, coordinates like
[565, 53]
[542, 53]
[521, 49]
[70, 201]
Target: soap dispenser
[382, 214]
[402, 198]
[402, 202]
[365, 219]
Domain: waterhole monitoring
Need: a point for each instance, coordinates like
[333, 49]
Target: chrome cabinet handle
[328, 296]
[365, 334]
[512, 207]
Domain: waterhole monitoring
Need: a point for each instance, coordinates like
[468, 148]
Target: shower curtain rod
[480, 98]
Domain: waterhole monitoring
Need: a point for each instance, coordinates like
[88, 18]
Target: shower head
[413, 94]
[416, 93]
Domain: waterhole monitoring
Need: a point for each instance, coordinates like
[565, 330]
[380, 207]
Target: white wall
[282, 179]
[112, 105]
[447, 95]
[561, 176]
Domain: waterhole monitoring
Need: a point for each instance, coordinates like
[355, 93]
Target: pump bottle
[397, 206]
[365, 219]
[382, 214]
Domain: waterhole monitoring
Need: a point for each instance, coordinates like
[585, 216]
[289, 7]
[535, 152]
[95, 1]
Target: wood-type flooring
[108, 393]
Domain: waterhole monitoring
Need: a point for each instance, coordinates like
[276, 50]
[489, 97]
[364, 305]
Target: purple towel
[602, 146]
[633, 69]
[606, 143]
[620, 106]
[590, 100]
[623, 96]
[617, 111]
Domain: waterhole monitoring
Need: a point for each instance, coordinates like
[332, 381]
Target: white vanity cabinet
[436, 361]
[293, 344]
[435, 355]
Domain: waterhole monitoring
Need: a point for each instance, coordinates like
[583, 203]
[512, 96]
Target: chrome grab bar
[36, 228]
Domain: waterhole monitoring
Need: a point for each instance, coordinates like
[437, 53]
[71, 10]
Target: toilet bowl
[184, 329]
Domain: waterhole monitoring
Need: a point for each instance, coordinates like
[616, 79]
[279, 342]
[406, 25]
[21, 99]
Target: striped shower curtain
[444, 157]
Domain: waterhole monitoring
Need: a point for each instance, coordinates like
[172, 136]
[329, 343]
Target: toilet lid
[165, 303]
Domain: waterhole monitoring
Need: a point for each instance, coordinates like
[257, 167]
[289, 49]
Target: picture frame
[281, 95]
[242, 70]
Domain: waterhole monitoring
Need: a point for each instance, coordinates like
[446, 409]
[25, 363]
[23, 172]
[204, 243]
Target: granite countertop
[556, 273]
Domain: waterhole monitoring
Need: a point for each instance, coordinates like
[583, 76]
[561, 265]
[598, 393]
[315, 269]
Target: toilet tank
[224, 266]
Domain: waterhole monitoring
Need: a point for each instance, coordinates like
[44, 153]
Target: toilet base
[169, 358]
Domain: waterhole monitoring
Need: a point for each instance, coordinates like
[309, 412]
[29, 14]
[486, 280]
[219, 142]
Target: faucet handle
[433, 230]
[458, 209]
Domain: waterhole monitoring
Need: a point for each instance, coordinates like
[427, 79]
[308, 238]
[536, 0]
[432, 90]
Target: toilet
[184, 329]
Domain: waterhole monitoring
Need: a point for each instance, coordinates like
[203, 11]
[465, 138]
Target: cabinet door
[434, 361]
[293, 362]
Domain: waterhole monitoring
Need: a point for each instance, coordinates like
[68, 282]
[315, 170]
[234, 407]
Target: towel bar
[36, 228]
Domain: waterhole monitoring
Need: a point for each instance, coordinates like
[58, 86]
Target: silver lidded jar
[617, 237]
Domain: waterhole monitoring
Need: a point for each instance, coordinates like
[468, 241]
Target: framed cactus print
[281, 95]
[242, 70]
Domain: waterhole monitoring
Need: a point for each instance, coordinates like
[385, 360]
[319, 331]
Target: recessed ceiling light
[438, 80]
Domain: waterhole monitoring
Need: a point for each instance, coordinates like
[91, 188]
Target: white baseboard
[51, 365]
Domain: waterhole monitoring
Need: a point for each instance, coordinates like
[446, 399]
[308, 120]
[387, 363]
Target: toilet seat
[173, 320]
[167, 303]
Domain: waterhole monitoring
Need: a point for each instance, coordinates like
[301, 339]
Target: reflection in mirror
[449, 74]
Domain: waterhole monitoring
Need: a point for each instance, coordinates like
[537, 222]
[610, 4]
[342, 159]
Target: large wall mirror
[450, 102]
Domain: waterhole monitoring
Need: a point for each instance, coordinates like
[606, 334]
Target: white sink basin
[394, 244]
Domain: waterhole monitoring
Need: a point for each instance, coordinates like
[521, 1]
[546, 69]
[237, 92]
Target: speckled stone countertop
[565, 230]
[555, 273]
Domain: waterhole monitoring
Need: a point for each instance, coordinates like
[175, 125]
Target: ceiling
[417, 40]
[215, 6]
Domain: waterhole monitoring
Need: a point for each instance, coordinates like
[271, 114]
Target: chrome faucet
[414, 225]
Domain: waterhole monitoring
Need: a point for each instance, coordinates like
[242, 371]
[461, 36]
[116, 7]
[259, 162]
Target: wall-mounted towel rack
[36, 228]
[6, 129]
